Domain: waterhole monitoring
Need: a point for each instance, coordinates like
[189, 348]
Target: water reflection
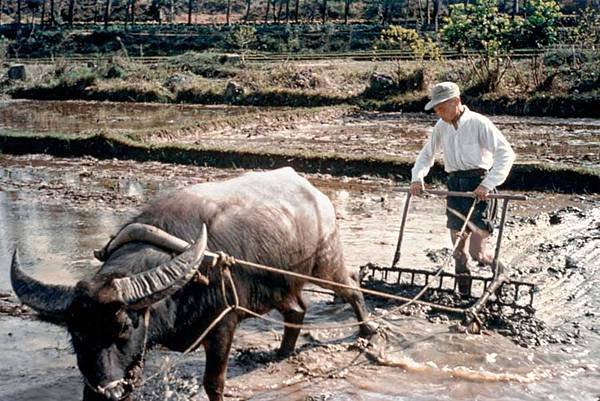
[423, 361]
[77, 117]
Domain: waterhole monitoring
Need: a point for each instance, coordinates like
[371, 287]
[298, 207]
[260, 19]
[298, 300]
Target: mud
[552, 240]
[342, 131]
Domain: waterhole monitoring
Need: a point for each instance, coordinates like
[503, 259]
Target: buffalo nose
[116, 393]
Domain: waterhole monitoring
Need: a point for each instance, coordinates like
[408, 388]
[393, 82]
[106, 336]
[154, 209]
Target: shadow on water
[58, 210]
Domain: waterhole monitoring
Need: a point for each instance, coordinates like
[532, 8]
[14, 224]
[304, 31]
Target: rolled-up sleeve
[426, 157]
[504, 156]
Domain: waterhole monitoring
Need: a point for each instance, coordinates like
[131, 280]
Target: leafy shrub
[397, 37]
[208, 65]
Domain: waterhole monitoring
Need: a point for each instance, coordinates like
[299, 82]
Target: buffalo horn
[146, 288]
[51, 300]
[142, 232]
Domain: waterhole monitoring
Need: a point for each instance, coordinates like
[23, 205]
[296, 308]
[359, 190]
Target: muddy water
[57, 210]
[535, 139]
[78, 117]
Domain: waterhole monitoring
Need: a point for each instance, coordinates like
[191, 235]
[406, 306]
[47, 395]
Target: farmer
[477, 158]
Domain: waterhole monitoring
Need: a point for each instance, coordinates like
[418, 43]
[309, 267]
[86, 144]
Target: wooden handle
[468, 194]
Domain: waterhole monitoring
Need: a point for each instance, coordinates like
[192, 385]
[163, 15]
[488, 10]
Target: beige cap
[442, 92]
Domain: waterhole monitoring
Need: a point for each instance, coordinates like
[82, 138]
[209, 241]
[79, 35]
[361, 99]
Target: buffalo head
[107, 316]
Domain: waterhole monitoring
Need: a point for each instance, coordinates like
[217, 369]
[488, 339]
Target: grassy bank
[205, 78]
[538, 177]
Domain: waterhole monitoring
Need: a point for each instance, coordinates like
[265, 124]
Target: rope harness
[225, 262]
[134, 377]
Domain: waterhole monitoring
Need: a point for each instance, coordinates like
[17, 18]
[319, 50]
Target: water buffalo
[146, 294]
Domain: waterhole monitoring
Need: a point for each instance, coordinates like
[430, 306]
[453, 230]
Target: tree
[132, 12]
[287, 11]
[346, 10]
[241, 37]
[247, 15]
[228, 15]
[107, 12]
[52, 19]
[587, 32]
[70, 15]
[540, 24]
[19, 14]
[491, 34]
[436, 13]
[267, 13]
[397, 37]
[190, 9]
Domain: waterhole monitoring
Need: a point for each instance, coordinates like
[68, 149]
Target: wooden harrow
[496, 292]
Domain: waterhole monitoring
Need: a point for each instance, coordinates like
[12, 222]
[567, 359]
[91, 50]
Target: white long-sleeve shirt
[476, 143]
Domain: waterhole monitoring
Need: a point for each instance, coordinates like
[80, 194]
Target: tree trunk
[346, 11]
[267, 13]
[287, 11]
[228, 12]
[190, 7]
[71, 9]
[107, 11]
[132, 12]
[95, 11]
[436, 13]
[515, 10]
[279, 11]
[297, 11]
[248, 2]
[126, 21]
[52, 21]
[419, 13]
[18, 14]
[274, 6]
[428, 12]
[42, 16]
[324, 11]
[171, 11]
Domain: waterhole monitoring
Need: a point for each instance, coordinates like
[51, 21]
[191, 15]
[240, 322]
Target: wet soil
[337, 140]
[553, 240]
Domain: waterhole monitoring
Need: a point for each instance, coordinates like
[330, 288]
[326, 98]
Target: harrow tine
[508, 293]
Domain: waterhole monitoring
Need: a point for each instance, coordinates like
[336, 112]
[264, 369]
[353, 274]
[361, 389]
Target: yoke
[497, 292]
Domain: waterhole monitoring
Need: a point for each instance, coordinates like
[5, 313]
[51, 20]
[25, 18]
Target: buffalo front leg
[356, 300]
[293, 313]
[217, 347]
[90, 395]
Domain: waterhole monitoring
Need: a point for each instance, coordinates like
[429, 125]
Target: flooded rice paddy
[57, 211]
[343, 131]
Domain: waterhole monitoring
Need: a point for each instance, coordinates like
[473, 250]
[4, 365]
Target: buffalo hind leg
[217, 347]
[293, 312]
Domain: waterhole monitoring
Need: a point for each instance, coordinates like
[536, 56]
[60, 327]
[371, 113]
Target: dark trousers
[484, 215]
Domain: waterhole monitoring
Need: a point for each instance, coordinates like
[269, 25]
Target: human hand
[481, 192]
[416, 188]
